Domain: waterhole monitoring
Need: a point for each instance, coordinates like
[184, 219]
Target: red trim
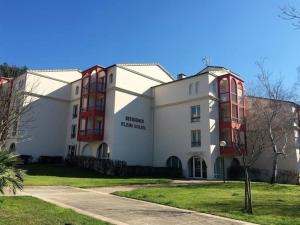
[91, 69]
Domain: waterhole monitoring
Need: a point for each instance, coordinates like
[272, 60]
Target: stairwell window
[73, 131]
[77, 90]
[190, 88]
[195, 113]
[195, 138]
[197, 87]
[111, 78]
[75, 110]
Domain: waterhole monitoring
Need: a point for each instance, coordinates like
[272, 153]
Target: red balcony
[90, 135]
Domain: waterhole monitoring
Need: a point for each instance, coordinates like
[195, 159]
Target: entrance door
[197, 168]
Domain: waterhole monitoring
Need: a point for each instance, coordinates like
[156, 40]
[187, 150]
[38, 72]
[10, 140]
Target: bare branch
[291, 13]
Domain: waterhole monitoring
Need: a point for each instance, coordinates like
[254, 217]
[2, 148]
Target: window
[197, 87]
[196, 138]
[190, 88]
[72, 150]
[197, 167]
[219, 168]
[174, 162]
[103, 151]
[195, 113]
[21, 84]
[111, 78]
[73, 131]
[12, 147]
[75, 110]
[15, 127]
[77, 90]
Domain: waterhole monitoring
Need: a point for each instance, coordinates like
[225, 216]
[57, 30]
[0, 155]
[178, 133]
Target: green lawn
[279, 204]
[58, 174]
[32, 211]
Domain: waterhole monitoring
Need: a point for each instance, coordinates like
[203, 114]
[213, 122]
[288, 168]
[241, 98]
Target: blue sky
[177, 34]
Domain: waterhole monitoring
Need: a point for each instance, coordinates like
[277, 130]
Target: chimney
[181, 76]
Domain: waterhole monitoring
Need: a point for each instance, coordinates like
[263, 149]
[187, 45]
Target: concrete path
[99, 203]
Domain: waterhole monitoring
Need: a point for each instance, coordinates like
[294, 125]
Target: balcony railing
[93, 88]
[90, 135]
[91, 132]
[98, 108]
[233, 149]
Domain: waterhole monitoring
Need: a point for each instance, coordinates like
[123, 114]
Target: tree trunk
[248, 192]
[275, 169]
[250, 209]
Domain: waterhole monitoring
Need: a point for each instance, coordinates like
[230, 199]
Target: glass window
[219, 168]
[77, 90]
[197, 87]
[72, 150]
[196, 138]
[73, 131]
[195, 113]
[224, 86]
[111, 78]
[75, 111]
[174, 162]
[103, 152]
[190, 88]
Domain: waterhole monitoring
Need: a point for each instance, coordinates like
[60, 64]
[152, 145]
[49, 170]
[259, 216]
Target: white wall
[48, 97]
[173, 126]
[130, 94]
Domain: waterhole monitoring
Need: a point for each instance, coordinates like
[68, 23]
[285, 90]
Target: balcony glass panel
[233, 86]
[233, 98]
[234, 112]
[225, 112]
[225, 135]
[224, 97]
[224, 86]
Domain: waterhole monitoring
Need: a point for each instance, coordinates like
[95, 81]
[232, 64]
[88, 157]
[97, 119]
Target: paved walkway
[99, 203]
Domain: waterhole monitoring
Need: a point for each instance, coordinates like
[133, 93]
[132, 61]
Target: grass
[273, 204]
[61, 175]
[32, 211]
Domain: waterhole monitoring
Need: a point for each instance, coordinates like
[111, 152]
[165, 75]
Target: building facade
[136, 113]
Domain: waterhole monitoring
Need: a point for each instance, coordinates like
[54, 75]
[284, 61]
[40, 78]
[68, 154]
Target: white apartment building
[136, 113]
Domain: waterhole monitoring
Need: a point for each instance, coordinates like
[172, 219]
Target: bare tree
[16, 115]
[255, 145]
[275, 119]
[291, 13]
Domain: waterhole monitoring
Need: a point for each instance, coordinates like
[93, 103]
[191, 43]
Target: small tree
[15, 118]
[249, 153]
[11, 177]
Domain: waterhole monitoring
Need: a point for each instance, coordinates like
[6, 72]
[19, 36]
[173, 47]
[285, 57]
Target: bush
[50, 159]
[235, 173]
[120, 168]
[25, 159]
